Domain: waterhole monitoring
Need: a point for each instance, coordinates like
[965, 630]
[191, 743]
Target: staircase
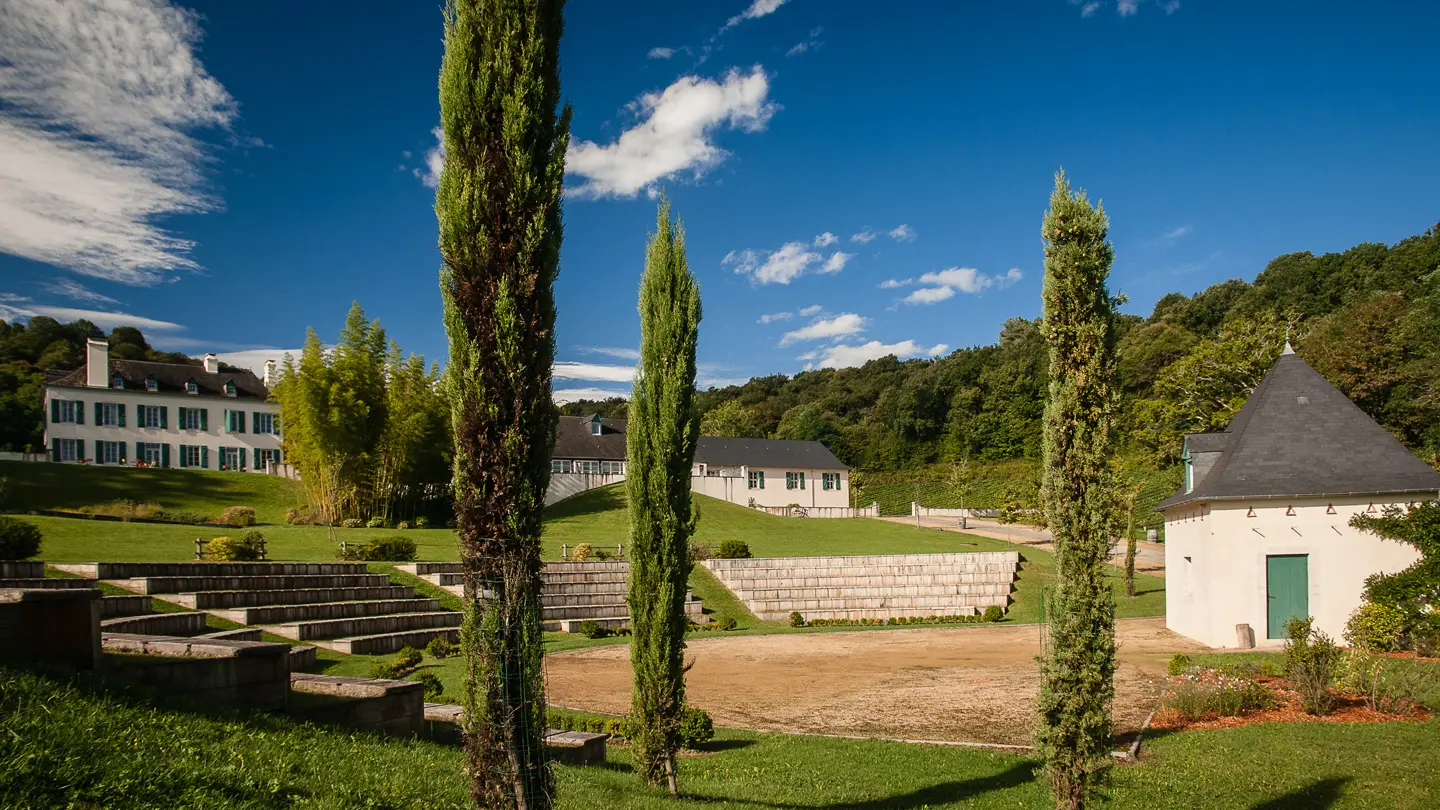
[338, 606]
[570, 593]
[870, 587]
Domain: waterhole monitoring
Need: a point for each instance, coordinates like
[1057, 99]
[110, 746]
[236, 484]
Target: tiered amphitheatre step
[317, 611]
[112, 607]
[383, 643]
[43, 583]
[218, 569]
[367, 625]
[189, 584]
[242, 634]
[157, 624]
[871, 587]
[21, 569]
[226, 600]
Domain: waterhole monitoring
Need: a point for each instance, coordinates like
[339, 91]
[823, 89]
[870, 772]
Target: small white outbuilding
[1260, 530]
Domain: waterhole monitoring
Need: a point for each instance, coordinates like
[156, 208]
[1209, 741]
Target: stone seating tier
[157, 624]
[115, 606]
[43, 583]
[384, 643]
[250, 674]
[366, 625]
[317, 611]
[112, 570]
[187, 584]
[21, 569]
[227, 600]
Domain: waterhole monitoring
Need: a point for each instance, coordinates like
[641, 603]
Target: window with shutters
[151, 453]
[150, 416]
[107, 452]
[192, 387]
[66, 448]
[65, 412]
[830, 480]
[229, 388]
[235, 421]
[264, 458]
[229, 458]
[757, 479]
[189, 456]
[189, 418]
[116, 381]
[152, 384]
[109, 414]
[264, 423]
[794, 480]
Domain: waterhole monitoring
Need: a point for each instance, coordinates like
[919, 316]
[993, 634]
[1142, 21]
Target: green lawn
[76, 742]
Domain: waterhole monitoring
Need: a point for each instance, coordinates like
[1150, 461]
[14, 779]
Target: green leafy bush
[380, 549]
[797, 620]
[993, 613]
[1311, 659]
[733, 550]
[385, 670]
[19, 539]
[1375, 628]
[124, 509]
[726, 623]
[298, 516]
[440, 647]
[241, 516]
[408, 658]
[1179, 664]
[695, 728]
[376, 522]
[591, 629]
[422, 522]
[249, 548]
[700, 552]
[188, 518]
[434, 690]
[616, 727]
[580, 552]
[402, 525]
[1195, 699]
[351, 523]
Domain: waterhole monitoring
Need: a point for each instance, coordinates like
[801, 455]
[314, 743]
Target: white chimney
[212, 364]
[97, 363]
[269, 373]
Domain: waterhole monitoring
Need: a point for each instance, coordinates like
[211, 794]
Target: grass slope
[73, 742]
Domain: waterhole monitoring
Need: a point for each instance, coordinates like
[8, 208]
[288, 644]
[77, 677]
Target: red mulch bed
[1348, 709]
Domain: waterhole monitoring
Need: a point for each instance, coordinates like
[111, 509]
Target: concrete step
[157, 624]
[921, 604]
[206, 569]
[547, 580]
[283, 614]
[367, 625]
[222, 600]
[875, 581]
[383, 643]
[549, 589]
[44, 583]
[797, 572]
[188, 584]
[879, 613]
[836, 592]
[21, 569]
[302, 656]
[573, 625]
[241, 634]
[928, 560]
[112, 607]
[610, 566]
[558, 613]
[427, 568]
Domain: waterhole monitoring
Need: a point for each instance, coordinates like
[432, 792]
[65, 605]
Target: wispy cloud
[944, 284]
[75, 291]
[429, 174]
[97, 105]
[892, 283]
[676, 135]
[564, 395]
[930, 295]
[843, 356]
[660, 53]
[836, 262]
[756, 10]
[1124, 8]
[810, 43]
[825, 328]
[1171, 236]
[15, 307]
[772, 317]
[826, 239]
[862, 238]
[902, 233]
[618, 352]
[813, 309]
[1090, 8]
[592, 371]
[781, 266]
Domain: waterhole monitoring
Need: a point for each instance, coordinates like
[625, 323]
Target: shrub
[993, 613]
[188, 518]
[125, 510]
[402, 525]
[380, 549]
[408, 658]
[19, 540]
[241, 516]
[1311, 658]
[1229, 697]
[733, 550]
[695, 728]
[434, 690]
[249, 548]
[385, 670]
[701, 551]
[1387, 684]
[351, 523]
[580, 553]
[1375, 628]
[440, 647]
[422, 522]
[376, 522]
[726, 623]
[298, 516]
[797, 620]
[591, 629]
[1425, 636]
[1179, 664]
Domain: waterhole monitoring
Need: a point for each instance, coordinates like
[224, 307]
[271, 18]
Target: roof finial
[1288, 348]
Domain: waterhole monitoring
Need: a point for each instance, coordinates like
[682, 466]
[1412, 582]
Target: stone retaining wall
[248, 674]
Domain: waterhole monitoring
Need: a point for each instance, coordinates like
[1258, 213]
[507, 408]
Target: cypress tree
[1078, 680]
[660, 447]
[498, 206]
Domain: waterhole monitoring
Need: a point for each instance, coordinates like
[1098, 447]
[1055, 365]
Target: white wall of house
[215, 440]
[769, 486]
[565, 485]
[1215, 562]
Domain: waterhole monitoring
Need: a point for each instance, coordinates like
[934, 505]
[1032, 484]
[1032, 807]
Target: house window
[65, 411]
[152, 454]
[65, 449]
[830, 481]
[152, 384]
[116, 381]
[595, 426]
[109, 414]
[229, 458]
[757, 479]
[107, 452]
[559, 465]
[264, 458]
[794, 480]
[589, 467]
[612, 468]
[189, 418]
[189, 455]
[229, 388]
[264, 423]
[235, 421]
[192, 387]
[150, 416]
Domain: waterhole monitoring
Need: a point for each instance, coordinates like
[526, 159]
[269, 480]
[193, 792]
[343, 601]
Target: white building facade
[1260, 531]
[130, 413]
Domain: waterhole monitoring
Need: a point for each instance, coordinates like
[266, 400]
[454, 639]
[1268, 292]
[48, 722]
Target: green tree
[498, 203]
[1079, 661]
[660, 448]
[732, 420]
[1412, 591]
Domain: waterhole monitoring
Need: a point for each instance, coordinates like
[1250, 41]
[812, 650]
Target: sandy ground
[964, 683]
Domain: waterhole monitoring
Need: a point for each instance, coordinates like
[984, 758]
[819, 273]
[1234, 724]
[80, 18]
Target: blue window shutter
[241, 419]
[79, 449]
[242, 458]
[98, 420]
[165, 420]
[182, 456]
[55, 450]
[165, 455]
[79, 414]
[204, 418]
[120, 413]
[55, 418]
[204, 458]
[139, 451]
[255, 419]
[120, 450]
[226, 426]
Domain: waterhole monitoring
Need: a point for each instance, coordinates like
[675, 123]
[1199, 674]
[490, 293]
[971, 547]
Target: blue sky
[263, 164]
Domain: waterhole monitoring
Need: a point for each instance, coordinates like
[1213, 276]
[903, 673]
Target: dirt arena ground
[963, 683]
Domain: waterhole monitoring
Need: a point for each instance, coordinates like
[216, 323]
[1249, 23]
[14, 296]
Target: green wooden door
[1287, 591]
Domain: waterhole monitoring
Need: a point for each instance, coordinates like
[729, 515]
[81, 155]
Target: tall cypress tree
[660, 447]
[498, 204]
[1079, 664]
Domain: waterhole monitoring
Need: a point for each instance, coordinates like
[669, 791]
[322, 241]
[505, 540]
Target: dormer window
[595, 426]
[229, 388]
[192, 387]
[1189, 470]
[152, 384]
[117, 381]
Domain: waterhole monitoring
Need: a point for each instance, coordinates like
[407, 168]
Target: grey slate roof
[1297, 436]
[171, 379]
[796, 455]
[573, 439]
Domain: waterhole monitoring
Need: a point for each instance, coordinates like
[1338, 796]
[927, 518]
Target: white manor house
[137, 413]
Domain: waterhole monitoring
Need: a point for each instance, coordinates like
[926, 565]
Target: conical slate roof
[1299, 436]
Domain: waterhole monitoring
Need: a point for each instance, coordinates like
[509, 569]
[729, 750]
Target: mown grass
[73, 741]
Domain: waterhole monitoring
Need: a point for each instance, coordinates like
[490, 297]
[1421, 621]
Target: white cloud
[850, 356]
[675, 136]
[1170, 6]
[836, 262]
[813, 309]
[772, 317]
[826, 239]
[839, 326]
[97, 103]
[1089, 9]
[254, 359]
[14, 307]
[434, 160]
[756, 10]
[660, 53]
[1171, 236]
[564, 395]
[75, 291]
[892, 283]
[902, 233]
[592, 371]
[863, 237]
[930, 295]
[1127, 7]
[812, 43]
[967, 279]
[619, 352]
